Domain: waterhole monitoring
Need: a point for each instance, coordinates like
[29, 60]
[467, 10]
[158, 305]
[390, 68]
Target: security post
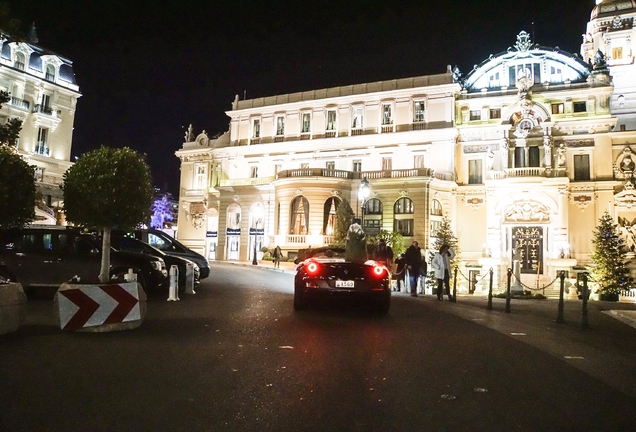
[584, 322]
[173, 291]
[490, 290]
[189, 282]
[454, 300]
[508, 291]
[560, 318]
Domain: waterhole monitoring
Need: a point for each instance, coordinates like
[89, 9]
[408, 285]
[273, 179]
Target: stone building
[44, 95]
[524, 154]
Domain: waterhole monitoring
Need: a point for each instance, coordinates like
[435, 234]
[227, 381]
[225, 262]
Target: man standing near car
[413, 257]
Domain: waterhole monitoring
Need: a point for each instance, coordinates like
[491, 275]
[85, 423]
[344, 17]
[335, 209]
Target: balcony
[19, 65]
[49, 77]
[526, 172]
[42, 148]
[257, 181]
[403, 173]
[20, 103]
[43, 109]
[315, 172]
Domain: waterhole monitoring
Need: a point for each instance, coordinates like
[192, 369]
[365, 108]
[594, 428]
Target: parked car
[325, 272]
[129, 244]
[51, 255]
[167, 244]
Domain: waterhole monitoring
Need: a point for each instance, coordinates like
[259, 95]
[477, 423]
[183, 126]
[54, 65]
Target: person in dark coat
[383, 254]
[413, 257]
[400, 272]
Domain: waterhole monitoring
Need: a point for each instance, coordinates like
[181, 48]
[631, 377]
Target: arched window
[329, 216]
[373, 210]
[233, 217]
[403, 205]
[299, 216]
[20, 61]
[50, 73]
[403, 216]
[436, 208]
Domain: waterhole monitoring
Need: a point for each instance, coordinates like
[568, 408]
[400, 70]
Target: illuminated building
[44, 95]
[524, 154]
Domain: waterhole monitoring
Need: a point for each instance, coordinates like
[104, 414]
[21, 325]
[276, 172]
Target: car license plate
[344, 284]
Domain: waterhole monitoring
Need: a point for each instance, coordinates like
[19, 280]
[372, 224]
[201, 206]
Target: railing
[330, 134]
[43, 109]
[49, 77]
[19, 65]
[387, 129]
[355, 132]
[193, 192]
[405, 173]
[296, 239]
[247, 181]
[279, 138]
[42, 148]
[20, 103]
[315, 172]
[418, 126]
[255, 141]
[305, 136]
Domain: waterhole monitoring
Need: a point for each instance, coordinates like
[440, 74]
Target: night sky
[148, 69]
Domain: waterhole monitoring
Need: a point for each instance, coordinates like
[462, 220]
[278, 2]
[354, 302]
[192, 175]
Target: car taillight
[378, 271]
[312, 268]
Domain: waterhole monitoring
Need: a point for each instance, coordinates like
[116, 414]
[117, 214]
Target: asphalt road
[236, 357]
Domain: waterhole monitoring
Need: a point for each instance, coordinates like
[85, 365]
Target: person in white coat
[441, 265]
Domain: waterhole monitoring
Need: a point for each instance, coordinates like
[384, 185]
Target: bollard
[173, 291]
[508, 291]
[584, 322]
[560, 318]
[490, 290]
[189, 283]
[454, 300]
[130, 276]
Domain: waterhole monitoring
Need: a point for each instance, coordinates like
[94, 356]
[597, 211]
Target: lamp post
[257, 220]
[363, 193]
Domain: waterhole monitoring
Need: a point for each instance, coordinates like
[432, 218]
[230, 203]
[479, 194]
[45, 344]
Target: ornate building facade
[44, 95]
[523, 154]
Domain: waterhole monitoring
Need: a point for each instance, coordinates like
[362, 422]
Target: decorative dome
[609, 8]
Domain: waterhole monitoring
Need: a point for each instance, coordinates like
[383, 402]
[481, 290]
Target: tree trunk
[104, 272]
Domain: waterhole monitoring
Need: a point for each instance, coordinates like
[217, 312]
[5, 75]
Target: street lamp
[257, 219]
[363, 193]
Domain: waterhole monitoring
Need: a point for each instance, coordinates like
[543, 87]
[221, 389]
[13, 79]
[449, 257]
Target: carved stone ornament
[403, 194]
[582, 201]
[527, 211]
[298, 192]
[627, 230]
[335, 193]
[203, 139]
[236, 198]
[624, 165]
[523, 42]
[626, 199]
[474, 202]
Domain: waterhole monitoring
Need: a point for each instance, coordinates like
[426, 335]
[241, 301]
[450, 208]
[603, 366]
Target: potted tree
[609, 264]
[109, 188]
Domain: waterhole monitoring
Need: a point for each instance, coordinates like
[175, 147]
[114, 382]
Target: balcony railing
[43, 109]
[526, 172]
[315, 172]
[20, 103]
[49, 77]
[42, 148]
[403, 173]
[247, 181]
[19, 65]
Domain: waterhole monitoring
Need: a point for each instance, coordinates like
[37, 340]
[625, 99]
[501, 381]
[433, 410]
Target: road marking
[574, 357]
[518, 334]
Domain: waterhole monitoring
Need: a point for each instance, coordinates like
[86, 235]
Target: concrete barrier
[13, 303]
[100, 307]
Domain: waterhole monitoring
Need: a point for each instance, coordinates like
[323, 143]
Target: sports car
[324, 272]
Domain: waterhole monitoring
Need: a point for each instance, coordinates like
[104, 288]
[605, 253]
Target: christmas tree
[344, 215]
[443, 236]
[161, 213]
[609, 268]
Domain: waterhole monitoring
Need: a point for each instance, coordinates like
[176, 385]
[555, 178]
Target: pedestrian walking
[400, 273]
[441, 265]
[383, 254]
[423, 273]
[413, 257]
[278, 254]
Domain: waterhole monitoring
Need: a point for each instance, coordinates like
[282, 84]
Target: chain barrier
[476, 280]
[539, 288]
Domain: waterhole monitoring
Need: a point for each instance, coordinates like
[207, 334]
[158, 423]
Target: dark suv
[51, 255]
[167, 244]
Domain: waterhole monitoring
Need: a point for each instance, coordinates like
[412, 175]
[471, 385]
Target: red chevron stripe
[87, 307]
[126, 303]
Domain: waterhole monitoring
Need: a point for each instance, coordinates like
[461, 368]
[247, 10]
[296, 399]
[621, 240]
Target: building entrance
[527, 247]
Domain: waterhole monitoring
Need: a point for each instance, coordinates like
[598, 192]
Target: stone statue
[561, 156]
[189, 135]
[599, 60]
[490, 158]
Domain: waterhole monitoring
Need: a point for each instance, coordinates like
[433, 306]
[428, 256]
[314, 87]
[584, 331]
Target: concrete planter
[97, 308]
[13, 303]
